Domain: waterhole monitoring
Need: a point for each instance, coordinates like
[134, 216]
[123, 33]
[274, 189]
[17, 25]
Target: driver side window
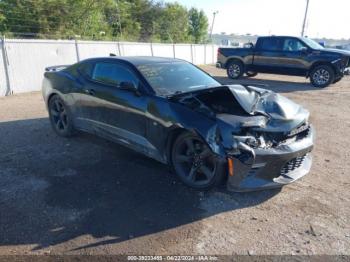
[113, 74]
[292, 45]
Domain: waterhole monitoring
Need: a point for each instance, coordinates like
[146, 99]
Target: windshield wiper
[193, 87]
[178, 92]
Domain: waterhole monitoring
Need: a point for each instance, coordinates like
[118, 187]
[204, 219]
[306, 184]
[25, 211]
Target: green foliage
[55, 18]
[174, 24]
[198, 25]
[126, 20]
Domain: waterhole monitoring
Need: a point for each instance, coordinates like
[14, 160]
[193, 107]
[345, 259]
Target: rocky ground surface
[88, 196]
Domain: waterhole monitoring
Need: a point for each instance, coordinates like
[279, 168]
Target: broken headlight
[251, 141]
[243, 147]
[248, 140]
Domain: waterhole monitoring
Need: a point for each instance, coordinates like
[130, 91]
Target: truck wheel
[322, 76]
[235, 69]
[251, 73]
[337, 80]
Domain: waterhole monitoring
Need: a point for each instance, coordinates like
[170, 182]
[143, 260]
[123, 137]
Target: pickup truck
[286, 55]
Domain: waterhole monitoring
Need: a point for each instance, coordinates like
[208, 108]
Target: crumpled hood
[257, 100]
[246, 106]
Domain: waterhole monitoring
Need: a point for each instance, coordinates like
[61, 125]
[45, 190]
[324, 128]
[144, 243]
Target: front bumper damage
[272, 167]
[347, 71]
[341, 67]
[263, 138]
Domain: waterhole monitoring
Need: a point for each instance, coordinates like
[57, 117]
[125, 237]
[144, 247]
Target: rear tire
[235, 69]
[60, 117]
[195, 164]
[322, 76]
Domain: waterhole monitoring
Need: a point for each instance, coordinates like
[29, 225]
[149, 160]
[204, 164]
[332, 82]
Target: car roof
[281, 36]
[140, 60]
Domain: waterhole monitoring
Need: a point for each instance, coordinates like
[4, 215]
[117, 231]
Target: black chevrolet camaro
[170, 110]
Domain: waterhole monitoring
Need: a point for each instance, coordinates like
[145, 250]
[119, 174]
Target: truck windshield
[311, 43]
[175, 77]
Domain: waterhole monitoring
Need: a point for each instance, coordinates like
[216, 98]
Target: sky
[330, 19]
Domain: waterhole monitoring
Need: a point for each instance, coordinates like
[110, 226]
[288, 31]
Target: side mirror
[249, 45]
[304, 50]
[129, 86]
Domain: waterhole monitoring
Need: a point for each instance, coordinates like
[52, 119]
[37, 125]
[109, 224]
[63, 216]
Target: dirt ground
[88, 196]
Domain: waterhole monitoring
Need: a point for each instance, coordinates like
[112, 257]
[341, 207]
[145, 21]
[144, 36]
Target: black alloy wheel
[322, 76]
[59, 117]
[194, 162]
[337, 80]
[235, 69]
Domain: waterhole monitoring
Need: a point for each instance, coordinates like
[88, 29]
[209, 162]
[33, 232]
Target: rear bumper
[273, 167]
[218, 64]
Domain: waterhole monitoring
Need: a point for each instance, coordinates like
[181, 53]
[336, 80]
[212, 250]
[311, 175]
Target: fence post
[151, 45]
[213, 53]
[174, 50]
[118, 45]
[6, 63]
[191, 53]
[77, 49]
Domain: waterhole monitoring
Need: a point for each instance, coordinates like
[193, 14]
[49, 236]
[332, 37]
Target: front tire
[195, 164]
[322, 76]
[337, 80]
[60, 117]
[235, 69]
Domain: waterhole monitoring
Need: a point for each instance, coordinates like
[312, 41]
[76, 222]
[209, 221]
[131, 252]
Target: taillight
[218, 52]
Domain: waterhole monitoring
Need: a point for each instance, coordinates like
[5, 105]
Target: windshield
[311, 43]
[175, 77]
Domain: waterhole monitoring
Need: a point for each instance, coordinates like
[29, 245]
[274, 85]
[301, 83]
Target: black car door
[115, 113]
[267, 56]
[294, 60]
[281, 55]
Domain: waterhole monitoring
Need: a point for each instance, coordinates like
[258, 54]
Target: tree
[61, 18]
[14, 13]
[174, 23]
[198, 25]
[128, 20]
[126, 26]
[150, 16]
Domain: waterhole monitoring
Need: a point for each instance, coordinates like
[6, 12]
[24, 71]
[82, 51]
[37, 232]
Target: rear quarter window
[270, 44]
[113, 74]
[85, 69]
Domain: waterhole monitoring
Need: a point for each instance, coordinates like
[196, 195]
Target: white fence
[22, 62]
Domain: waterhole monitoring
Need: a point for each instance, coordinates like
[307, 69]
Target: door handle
[90, 91]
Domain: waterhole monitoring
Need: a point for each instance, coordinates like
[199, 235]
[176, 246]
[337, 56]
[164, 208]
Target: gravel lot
[88, 196]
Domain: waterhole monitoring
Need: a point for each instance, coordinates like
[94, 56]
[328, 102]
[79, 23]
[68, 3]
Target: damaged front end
[266, 166]
[265, 137]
